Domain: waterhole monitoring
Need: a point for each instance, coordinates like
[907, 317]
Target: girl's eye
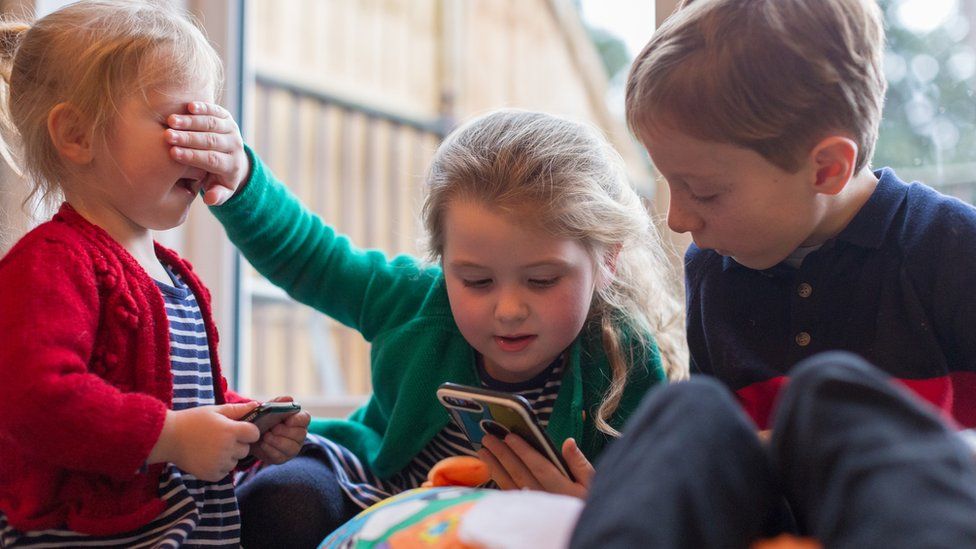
[704, 199]
[543, 282]
[476, 283]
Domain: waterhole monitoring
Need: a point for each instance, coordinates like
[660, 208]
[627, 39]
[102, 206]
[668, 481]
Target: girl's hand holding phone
[206, 441]
[283, 441]
[514, 464]
[208, 138]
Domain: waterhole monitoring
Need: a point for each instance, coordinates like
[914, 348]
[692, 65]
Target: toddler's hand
[209, 139]
[206, 441]
[515, 464]
[283, 441]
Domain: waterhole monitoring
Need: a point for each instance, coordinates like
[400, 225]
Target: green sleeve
[298, 252]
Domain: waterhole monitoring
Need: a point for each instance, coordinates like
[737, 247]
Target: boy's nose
[682, 219]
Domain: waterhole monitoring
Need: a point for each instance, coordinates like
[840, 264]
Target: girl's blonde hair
[566, 178]
[92, 55]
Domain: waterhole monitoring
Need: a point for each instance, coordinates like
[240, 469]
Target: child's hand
[209, 139]
[514, 464]
[283, 441]
[206, 441]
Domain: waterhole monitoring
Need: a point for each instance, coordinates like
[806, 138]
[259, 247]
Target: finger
[212, 161]
[537, 472]
[203, 140]
[286, 446]
[241, 451]
[283, 430]
[273, 455]
[496, 471]
[581, 467]
[247, 433]
[276, 453]
[228, 466]
[236, 410]
[202, 107]
[202, 123]
[216, 194]
[512, 463]
[301, 420]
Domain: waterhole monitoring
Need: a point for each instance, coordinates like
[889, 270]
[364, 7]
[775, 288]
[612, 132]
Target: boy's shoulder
[926, 222]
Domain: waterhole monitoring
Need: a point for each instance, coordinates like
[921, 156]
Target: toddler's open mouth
[190, 184]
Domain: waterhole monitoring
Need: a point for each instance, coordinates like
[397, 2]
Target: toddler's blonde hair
[92, 55]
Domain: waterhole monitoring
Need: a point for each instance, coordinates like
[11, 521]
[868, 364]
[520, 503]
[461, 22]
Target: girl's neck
[136, 240]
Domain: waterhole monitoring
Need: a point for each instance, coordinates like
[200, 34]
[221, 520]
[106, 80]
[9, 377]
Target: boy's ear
[834, 159]
[70, 133]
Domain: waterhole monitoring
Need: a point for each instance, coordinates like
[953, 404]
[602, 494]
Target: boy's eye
[543, 282]
[476, 283]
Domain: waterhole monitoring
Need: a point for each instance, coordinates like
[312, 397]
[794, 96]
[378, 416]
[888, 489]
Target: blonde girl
[116, 425]
[549, 281]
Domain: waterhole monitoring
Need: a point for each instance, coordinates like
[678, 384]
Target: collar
[872, 222]
[869, 226]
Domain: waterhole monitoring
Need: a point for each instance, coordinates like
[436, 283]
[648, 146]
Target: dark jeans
[860, 461]
[292, 505]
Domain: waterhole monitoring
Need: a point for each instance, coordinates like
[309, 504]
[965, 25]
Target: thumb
[216, 195]
[236, 410]
[581, 467]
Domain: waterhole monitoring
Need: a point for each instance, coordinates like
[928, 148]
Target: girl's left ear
[70, 133]
[610, 264]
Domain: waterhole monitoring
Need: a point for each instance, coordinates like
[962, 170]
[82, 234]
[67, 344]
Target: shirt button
[804, 290]
[802, 339]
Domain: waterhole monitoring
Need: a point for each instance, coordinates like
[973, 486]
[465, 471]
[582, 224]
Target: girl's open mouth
[514, 344]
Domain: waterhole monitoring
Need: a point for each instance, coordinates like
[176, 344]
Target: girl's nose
[510, 307]
[682, 219]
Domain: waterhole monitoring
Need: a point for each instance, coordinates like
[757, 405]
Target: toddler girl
[116, 425]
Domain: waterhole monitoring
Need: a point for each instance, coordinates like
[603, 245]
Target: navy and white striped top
[197, 513]
[365, 488]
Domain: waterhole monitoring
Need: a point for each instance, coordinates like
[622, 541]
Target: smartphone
[481, 411]
[269, 414]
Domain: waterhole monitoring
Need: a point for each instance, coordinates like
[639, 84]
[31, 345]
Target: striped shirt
[364, 488]
[198, 513]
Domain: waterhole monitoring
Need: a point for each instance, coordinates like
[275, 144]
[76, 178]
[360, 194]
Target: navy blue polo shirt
[896, 286]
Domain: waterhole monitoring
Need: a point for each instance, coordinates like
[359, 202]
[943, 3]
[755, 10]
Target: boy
[762, 115]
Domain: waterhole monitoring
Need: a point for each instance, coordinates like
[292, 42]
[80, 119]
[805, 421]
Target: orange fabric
[458, 471]
[786, 541]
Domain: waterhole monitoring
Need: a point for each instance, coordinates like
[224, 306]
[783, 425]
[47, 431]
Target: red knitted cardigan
[85, 379]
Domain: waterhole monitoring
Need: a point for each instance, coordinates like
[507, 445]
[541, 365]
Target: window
[929, 127]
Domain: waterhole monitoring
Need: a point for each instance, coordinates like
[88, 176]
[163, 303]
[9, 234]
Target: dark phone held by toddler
[269, 414]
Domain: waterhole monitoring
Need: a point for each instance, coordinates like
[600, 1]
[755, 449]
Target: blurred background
[346, 100]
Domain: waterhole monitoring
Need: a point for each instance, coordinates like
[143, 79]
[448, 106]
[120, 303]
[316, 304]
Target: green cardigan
[400, 306]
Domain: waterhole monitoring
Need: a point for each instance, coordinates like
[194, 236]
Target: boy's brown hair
[773, 76]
